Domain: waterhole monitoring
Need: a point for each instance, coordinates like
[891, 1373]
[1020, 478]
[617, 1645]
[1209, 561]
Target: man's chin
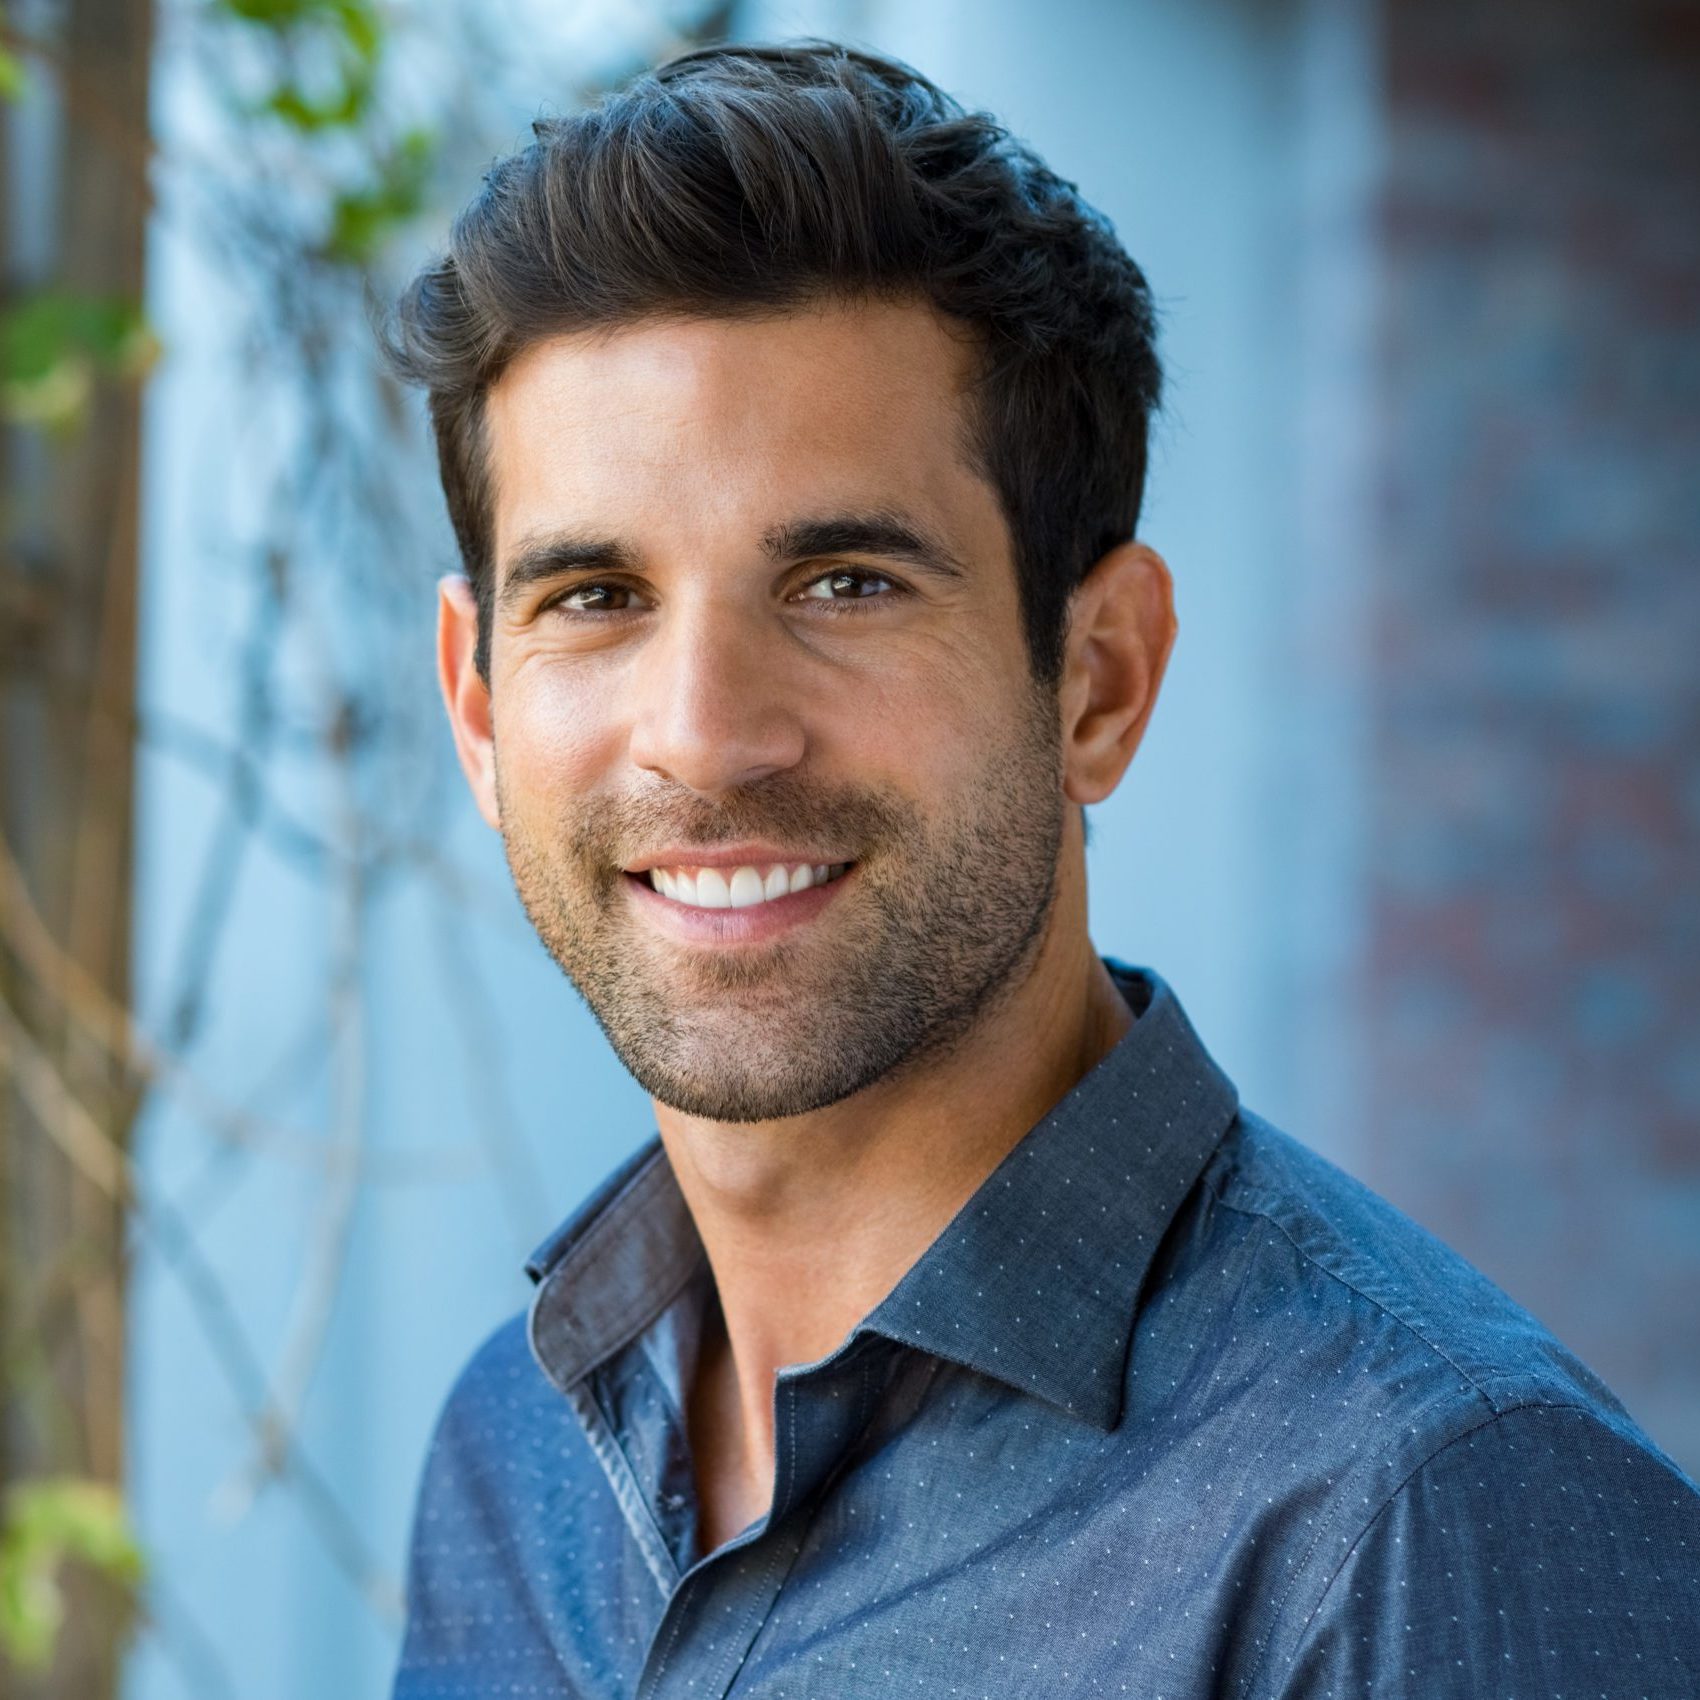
[759, 1086]
[689, 977]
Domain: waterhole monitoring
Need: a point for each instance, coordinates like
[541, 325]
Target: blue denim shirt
[1172, 1408]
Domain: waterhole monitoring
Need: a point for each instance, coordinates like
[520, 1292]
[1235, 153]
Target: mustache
[610, 832]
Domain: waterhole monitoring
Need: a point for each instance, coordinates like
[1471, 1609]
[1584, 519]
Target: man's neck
[808, 1223]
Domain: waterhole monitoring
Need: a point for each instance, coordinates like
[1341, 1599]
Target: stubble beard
[942, 918]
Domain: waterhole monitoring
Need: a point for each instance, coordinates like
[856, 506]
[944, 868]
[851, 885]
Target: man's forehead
[898, 344]
[744, 421]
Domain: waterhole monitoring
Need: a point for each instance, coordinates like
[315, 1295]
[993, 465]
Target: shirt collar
[1034, 1281]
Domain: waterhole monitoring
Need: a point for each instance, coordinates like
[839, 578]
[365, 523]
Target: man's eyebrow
[879, 533]
[562, 552]
[887, 534]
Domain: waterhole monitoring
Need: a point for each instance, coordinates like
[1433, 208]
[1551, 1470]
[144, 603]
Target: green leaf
[361, 29]
[46, 1523]
[363, 219]
[356, 17]
[340, 110]
[55, 342]
[13, 78]
[355, 36]
[274, 14]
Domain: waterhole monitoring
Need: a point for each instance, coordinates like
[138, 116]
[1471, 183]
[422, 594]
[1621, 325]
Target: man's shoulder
[1411, 1432]
[1360, 1296]
[499, 1407]
[498, 1364]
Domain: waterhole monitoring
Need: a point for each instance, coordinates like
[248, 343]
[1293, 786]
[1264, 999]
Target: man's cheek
[934, 748]
[558, 740]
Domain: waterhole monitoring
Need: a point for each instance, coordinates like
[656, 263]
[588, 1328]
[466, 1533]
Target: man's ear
[465, 694]
[1121, 629]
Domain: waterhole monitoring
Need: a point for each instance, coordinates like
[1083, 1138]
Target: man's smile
[740, 887]
[725, 903]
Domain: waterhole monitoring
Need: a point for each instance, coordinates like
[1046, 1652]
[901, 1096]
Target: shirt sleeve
[1541, 1555]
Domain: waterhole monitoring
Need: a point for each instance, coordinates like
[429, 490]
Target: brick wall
[1533, 999]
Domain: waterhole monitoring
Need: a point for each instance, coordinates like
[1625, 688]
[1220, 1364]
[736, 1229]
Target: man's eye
[846, 584]
[593, 599]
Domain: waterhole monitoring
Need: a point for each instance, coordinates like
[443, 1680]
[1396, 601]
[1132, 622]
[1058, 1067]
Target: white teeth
[712, 890]
[740, 888]
[746, 888]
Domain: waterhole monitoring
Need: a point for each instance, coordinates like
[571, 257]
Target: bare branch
[92, 1152]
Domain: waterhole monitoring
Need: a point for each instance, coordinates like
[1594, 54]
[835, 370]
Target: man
[960, 1334]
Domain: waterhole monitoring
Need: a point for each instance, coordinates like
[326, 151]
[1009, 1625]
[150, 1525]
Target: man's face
[756, 621]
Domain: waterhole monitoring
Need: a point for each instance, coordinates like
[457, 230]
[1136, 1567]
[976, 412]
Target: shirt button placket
[718, 1609]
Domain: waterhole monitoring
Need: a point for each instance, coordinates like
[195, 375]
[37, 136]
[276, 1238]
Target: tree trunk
[68, 569]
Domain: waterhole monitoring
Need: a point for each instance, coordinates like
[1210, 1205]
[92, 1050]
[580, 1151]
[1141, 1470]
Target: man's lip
[731, 856]
[755, 925]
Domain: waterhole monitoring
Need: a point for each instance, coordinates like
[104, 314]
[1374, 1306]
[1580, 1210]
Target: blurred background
[288, 1089]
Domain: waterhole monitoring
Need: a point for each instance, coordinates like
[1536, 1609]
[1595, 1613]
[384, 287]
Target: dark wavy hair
[746, 180]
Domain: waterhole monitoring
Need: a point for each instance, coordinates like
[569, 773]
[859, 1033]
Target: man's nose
[712, 711]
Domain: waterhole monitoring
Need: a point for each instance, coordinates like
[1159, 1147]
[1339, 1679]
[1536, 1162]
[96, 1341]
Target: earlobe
[1121, 630]
[466, 696]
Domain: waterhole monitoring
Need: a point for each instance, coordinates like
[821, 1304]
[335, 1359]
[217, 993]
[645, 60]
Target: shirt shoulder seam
[1476, 1381]
[1494, 1416]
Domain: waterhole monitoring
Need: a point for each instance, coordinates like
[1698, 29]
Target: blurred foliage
[13, 79]
[362, 220]
[324, 65]
[46, 1524]
[52, 345]
[322, 176]
[322, 62]
[354, 36]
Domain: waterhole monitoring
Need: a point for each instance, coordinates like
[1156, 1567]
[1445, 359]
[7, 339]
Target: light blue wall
[1172, 118]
